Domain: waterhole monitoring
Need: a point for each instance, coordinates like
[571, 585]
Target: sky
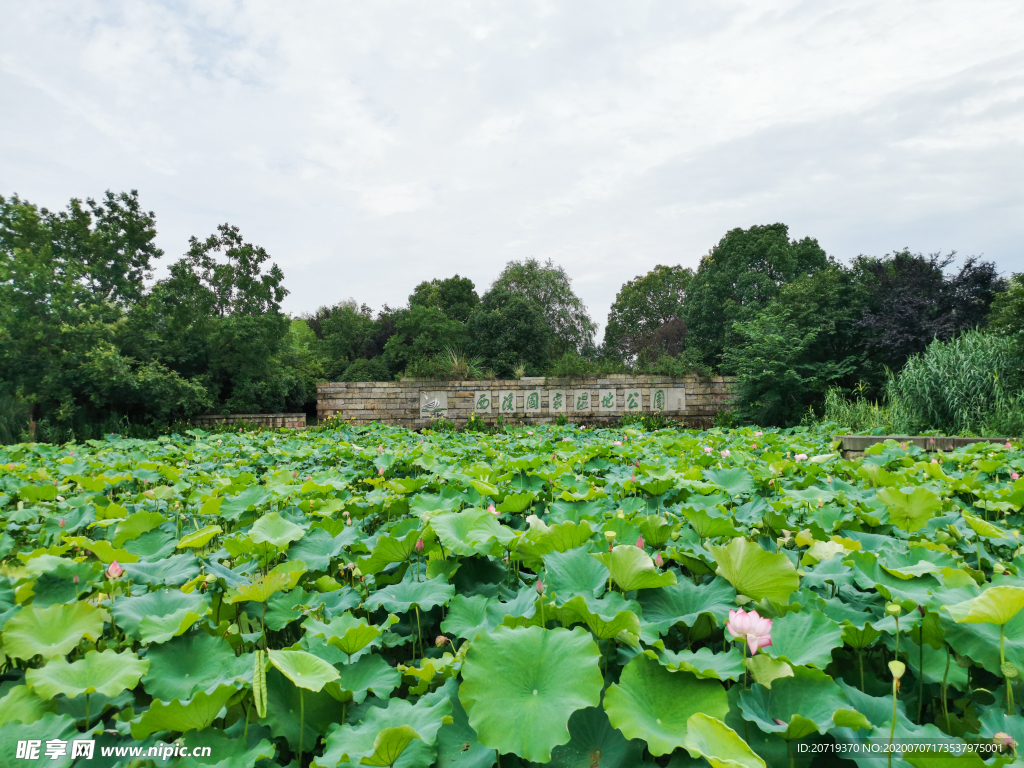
[369, 146]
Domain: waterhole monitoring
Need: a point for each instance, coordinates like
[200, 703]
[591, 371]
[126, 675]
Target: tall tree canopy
[740, 276]
[643, 306]
[550, 289]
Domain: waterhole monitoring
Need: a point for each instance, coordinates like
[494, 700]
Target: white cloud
[371, 146]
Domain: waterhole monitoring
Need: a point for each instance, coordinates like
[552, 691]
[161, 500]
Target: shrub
[367, 370]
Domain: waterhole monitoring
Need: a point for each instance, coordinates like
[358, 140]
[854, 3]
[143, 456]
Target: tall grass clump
[13, 418]
[968, 385]
[858, 413]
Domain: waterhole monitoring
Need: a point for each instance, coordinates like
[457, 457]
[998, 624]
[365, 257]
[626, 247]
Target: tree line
[90, 343]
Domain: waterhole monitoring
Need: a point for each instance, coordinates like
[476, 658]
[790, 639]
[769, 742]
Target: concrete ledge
[276, 420]
[853, 446]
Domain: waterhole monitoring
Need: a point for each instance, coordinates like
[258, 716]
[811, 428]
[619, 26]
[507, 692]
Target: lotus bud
[380, 471]
[419, 545]
[999, 568]
[640, 542]
[659, 560]
[61, 523]
[441, 641]
[620, 514]
[295, 473]
[60, 498]
[897, 668]
[779, 722]
[1008, 444]
[540, 587]
[963, 662]
[1004, 740]
[309, 478]
[632, 478]
[1014, 476]
[114, 571]
[357, 573]
[75, 579]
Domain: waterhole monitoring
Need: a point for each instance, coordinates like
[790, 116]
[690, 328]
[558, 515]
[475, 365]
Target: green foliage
[740, 275]
[645, 313]
[549, 289]
[276, 582]
[508, 330]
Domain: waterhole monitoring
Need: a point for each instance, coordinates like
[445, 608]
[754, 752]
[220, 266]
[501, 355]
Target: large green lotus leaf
[795, 707]
[870, 575]
[194, 662]
[980, 642]
[806, 638]
[910, 511]
[651, 703]
[346, 632]
[595, 742]
[379, 739]
[200, 538]
[107, 673]
[58, 585]
[734, 481]
[996, 605]
[283, 706]
[172, 605]
[226, 751]
[135, 525]
[720, 745]
[521, 685]
[704, 663]
[470, 532]
[984, 528]
[684, 602]
[389, 549]
[193, 714]
[934, 663]
[101, 549]
[49, 726]
[606, 617]
[153, 546]
[280, 579]
[831, 571]
[317, 548]
[52, 631]
[20, 704]
[254, 496]
[469, 616]
[401, 597]
[168, 571]
[457, 745]
[656, 530]
[574, 572]
[160, 629]
[708, 525]
[275, 530]
[369, 673]
[568, 535]
[517, 503]
[631, 568]
[304, 669]
[754, 572]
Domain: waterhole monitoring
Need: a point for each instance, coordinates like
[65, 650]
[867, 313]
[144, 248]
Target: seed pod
[259, 684]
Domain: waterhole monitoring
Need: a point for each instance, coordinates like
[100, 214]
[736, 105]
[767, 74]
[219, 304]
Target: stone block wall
[274, 420]
[413, 403]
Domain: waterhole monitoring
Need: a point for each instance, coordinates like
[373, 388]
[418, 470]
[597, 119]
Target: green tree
[343, 332]
[454, 296]
[506, 331]
[644, 305]
[1008, 309]
[740, 275]
[549, 288]
[800, 344]
[421, 332]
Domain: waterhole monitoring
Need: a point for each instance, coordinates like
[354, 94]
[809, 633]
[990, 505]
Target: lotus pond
[552, 595]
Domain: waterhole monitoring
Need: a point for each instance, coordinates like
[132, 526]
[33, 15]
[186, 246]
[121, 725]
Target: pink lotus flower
[640, 542]
[801, 457]
[659, 560]
[419, 545]
[491, 509]
[61, 523]
[1008, 444]
[753, 445]
[114, 571]
[75, 579]
[441, 641]
[637, 463]
[725, 454]
[935, 461]
[540, 587]
[758, 433]
[1014, 476]
[755, 629]
[632, 478]
[707, 449]
[380, 448]
[295, 473]
[616, 442]
[380, 471]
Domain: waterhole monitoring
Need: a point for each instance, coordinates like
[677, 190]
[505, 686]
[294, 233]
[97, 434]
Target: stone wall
[413, 403]
[854, 446]
[275, 420]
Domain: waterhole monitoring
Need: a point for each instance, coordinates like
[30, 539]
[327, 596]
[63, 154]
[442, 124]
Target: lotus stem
[892, 726]
[1002, 663]
[419, 633]
[87, 713]
[920, 675]
[945, 703]
[860, 664]
[302, 722]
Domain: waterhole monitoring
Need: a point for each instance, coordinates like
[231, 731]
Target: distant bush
[367, 370]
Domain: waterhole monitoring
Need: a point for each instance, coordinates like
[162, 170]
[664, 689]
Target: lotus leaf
[720, 745]
[631, 568]
[52, 631]
[107, 673]
[754, 572]
[521, 685]
[651, 703]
